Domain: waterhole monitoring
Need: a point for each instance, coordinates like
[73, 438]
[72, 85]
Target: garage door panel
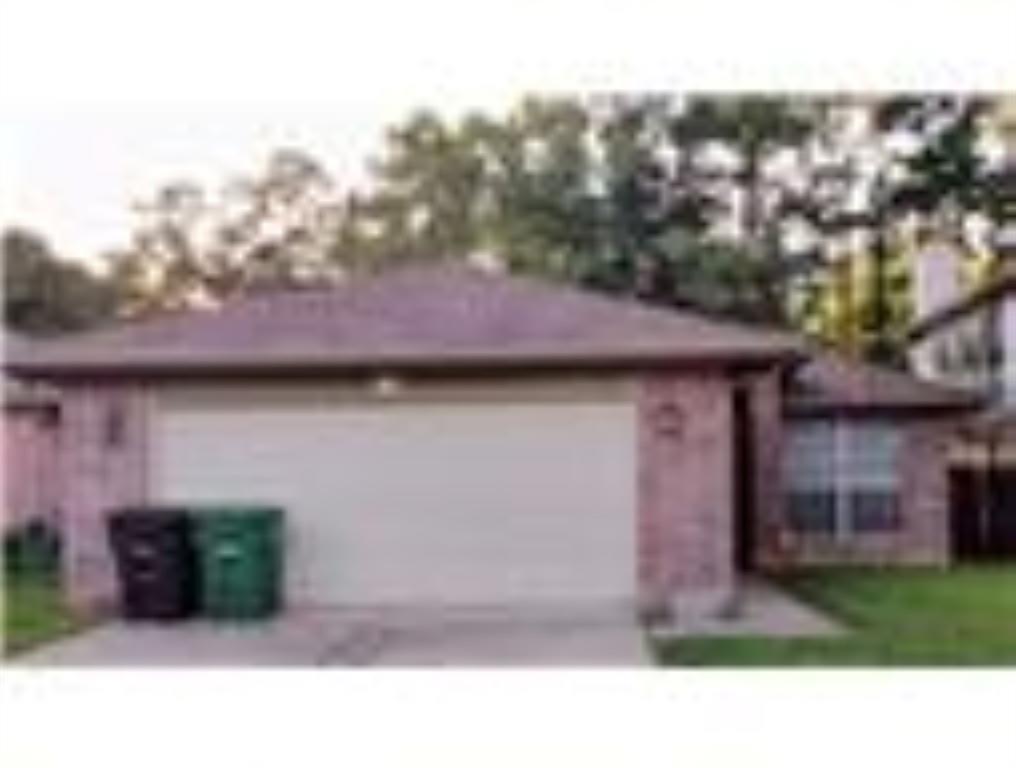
[513, 502]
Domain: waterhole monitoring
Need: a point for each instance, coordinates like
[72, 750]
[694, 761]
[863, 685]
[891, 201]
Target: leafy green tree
[716, 277]
[932, 172]
[915, 167]
[429, 192]
[846, 312]
[517, 186]
[595, 191]
[44, 294]
[193, 247]
[754, 129]
[652, 202]
[843, 204]
[744, 205]
[942, 178]
[757, 144]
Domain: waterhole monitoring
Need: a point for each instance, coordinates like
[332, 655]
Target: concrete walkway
[334, 638]
[757, 609]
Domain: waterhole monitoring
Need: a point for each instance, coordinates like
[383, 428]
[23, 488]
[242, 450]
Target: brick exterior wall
[685, 496]
[685, 516]
[923, 537]
[684, 489]
[926, 533]
[30, 482]
[99, 470]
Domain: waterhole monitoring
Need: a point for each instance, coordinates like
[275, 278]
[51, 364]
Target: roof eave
[798, 406]
[43, 369]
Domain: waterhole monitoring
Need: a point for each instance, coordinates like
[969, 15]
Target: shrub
[32, 548]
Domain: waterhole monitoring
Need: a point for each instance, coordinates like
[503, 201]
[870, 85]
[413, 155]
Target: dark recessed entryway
[743, 479]
[983, 508]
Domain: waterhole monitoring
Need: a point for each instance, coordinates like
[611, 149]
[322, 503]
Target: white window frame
[844, 475]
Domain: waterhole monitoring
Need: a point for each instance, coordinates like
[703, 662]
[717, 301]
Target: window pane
[812, 512]
[873, 511]
[870, 459]
[809, 459]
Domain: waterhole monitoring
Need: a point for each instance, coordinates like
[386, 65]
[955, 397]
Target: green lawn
[904, 617]
[33, 613]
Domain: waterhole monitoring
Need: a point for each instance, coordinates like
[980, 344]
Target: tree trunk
[756, 234]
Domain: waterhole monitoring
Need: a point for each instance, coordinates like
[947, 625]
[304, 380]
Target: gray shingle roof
[443, 316]
[831, 381]
[18, 394]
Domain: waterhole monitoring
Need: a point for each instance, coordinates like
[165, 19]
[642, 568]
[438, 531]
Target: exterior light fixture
[669, 421]
[386, 386]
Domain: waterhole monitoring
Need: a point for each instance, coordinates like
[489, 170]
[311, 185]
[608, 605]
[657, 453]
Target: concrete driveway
[560, 636]
[332, 638]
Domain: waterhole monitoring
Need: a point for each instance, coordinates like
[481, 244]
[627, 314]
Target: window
[811, 477]
[842, 477]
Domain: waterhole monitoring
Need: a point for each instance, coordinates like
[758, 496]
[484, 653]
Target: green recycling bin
[239, 551]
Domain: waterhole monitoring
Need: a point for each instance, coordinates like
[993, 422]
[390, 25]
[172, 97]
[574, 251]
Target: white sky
[78, 172]
[102, 101]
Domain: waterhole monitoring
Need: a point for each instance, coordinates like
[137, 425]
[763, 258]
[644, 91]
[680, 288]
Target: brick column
[102, 465]
[925, 535]
[685, 497]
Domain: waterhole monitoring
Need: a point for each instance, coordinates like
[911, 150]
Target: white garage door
[427, 503]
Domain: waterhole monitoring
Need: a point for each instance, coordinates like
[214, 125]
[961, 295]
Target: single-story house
[444, 436]
[31, 419]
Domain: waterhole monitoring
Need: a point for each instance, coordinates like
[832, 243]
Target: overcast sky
[102, 101]
[76, 173]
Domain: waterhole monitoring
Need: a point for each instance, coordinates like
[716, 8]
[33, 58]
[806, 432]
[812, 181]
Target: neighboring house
[30, 442]
[443, 436]
[970, 343]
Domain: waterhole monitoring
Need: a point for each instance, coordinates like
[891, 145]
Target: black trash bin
[155, 558]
